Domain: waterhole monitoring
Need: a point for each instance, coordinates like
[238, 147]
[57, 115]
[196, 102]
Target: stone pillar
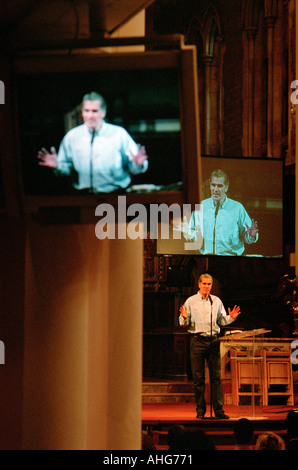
[208, 63]
[270, 99]
[290, 158]
[82, 340]
[296, 151]
[251, 35]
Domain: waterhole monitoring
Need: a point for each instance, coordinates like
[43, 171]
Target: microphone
[91, 160]
[93, 135]
[215, 215]
[217, 209]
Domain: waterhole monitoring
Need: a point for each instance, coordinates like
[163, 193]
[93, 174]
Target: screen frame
[184, 60]
[177, 247]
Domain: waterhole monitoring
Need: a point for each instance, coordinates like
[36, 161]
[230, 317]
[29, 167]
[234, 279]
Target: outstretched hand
[183, 311]
[181, 225]
[46, 158]
[235, 312]
[253, 229]
[140, 156]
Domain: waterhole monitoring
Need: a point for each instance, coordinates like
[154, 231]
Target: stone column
[251, 35]
[296, 150]
[208, 63]
[82, 340]
[270, 20]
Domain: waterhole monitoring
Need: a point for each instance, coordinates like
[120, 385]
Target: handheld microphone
[93, 135]
[91, 160]
[215, 215]
[217, 209]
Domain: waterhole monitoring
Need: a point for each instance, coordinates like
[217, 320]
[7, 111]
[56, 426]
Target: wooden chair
[278, 376]
[247, 376]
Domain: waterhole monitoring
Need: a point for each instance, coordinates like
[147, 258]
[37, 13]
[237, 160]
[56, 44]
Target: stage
[157, 418]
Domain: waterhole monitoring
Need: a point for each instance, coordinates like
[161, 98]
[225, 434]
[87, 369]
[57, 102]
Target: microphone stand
[210, 367]
[210, 372]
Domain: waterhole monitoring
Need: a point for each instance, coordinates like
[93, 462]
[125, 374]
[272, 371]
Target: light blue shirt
[106, 164]
[199, 312]
[225, 234]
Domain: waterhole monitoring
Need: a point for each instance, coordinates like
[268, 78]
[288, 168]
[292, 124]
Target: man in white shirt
[103, 155]
[222, 226]
[203, 314]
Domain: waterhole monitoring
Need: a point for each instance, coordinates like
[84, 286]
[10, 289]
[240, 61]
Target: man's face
[218, 189]
[205, 286]
[92, 114]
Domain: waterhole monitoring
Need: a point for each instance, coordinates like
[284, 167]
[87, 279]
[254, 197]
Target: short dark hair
[94, 96]
[205, 275]
[220, 174]
[243, 431]
[292, 423]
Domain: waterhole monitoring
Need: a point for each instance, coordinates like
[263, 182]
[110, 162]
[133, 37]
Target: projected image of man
[223, 224]
[101, 155]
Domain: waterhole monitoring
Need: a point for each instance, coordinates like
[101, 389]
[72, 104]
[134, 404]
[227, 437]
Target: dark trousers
[206, 349]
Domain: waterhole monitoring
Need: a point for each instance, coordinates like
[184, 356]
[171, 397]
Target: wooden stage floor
[180, 413]
[157, 418]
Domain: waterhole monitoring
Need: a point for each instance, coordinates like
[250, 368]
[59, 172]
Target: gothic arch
[263, 68]
[211, 31]
[194, 33]
[213, 60]
[206, 33]
[250, 14]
